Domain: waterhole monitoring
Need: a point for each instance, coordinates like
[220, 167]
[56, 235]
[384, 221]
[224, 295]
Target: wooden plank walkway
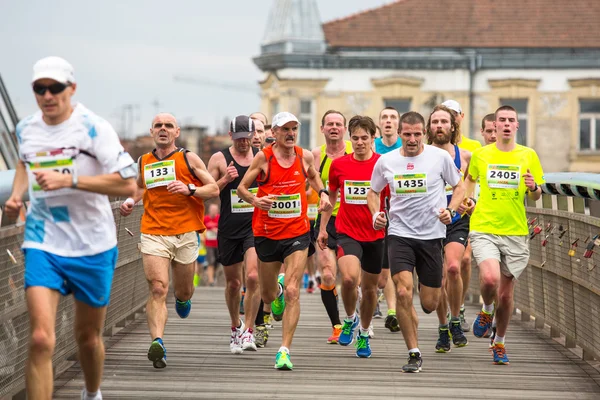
[201, 366]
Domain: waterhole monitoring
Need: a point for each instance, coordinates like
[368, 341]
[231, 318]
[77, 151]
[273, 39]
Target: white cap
[55, 68]
[453, 105]
[283, 118]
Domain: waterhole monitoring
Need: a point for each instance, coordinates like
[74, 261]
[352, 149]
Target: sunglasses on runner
[55, 88]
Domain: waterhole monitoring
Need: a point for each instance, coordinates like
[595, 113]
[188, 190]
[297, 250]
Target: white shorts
[182, 249]
[511, 251]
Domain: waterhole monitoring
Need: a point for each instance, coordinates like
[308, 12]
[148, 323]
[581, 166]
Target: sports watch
[191, 188]
[452, 212]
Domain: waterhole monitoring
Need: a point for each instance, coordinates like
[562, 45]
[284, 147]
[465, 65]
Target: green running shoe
[282, 361]
[278, 305]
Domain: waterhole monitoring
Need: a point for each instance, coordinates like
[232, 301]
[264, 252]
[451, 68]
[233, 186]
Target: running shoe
[261, 336]
[282, 361]
[183, 308]
[157, 353]
[196, 280]
[247, 341]
[500, 357]
[268, 320]
[414, 364]
[377, 313]
[458, 337]
[311, 287]
[235, 342]
[363, 348]
[464, 324]
[347, 335]
[492, 336]
[391, 321]
[443, 343]
[371, 331]
[482, 324]
[335, 335]
[278, 305]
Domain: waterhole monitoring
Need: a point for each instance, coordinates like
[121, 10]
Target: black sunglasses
[55, 88]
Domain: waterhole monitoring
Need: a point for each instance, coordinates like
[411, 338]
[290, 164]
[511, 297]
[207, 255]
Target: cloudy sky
[126, 53]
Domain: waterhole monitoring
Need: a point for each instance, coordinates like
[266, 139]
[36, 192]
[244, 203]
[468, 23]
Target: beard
[440, 140]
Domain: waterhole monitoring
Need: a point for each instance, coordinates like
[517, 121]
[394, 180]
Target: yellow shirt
[469, 144]
[500, 209]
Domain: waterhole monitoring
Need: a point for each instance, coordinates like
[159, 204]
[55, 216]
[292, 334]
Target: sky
[126, 54]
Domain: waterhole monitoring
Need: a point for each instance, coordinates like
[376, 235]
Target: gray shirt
[417, 187]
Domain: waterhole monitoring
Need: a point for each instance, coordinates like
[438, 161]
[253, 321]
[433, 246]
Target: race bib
[355, 192]
[211, 234]
[313, 211]
[286, 206]
[59, 161]
[410, 185]
[160, 173]
[503, 176]
[239, 206]
[449, 189]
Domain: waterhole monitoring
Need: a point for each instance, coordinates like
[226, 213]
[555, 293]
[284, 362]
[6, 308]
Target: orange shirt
[166, 213]
[313, 204]
[287, 218]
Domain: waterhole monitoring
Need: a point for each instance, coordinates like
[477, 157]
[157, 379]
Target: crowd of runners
[374, 204]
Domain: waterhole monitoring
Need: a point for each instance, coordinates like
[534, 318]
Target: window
[305, 123]
[402, 105]
[589, 125]
[521, 106]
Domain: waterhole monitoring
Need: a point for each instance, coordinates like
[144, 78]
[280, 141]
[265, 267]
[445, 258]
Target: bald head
[165, 117]
[164, 130]
[259, 116]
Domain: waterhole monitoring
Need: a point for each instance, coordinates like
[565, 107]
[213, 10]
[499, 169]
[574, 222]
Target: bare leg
[350, 270]
[294, 267]
[233, 283]
[89, 323]
[157, 274]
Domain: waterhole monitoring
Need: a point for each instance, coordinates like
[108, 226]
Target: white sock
[488, 308]
[351, 317]
[415, 350]
[462, 306]
[283, 348]
[499, 339]
[364, 331]
[92, 396]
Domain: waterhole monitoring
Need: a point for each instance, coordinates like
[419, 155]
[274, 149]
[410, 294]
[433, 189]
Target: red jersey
[353, 179]
[211, 230]
[287, 218]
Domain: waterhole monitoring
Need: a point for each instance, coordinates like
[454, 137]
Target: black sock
[260, 315]
[329, 298]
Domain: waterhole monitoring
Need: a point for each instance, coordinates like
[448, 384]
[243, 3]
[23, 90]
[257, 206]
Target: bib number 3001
[286, 206]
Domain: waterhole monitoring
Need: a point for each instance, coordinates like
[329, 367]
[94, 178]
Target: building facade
[414, 54]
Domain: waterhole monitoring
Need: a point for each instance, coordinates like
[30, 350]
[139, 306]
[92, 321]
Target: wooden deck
[201, 366]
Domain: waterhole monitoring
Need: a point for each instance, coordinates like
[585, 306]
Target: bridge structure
[553, 342]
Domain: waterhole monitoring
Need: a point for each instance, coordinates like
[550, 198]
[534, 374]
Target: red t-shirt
[353, 179]
[211, 230]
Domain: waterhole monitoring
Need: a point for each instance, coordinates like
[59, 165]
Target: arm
[374, 204]
[20, 183]
[215, 168]
[315, 181]
[263, 203]
[325, 217]
[209, 187]
[534, 191]
[108, 184]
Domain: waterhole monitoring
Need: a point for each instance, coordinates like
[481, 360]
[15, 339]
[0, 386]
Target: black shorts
[386, 262]
[370, 254]
[269, 250]
[406, 254]
[311, 247]
[331, 232]
[231, 251]
[458, 232]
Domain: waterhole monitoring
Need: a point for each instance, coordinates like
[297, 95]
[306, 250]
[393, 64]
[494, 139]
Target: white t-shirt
[70, 222]
[417, 187]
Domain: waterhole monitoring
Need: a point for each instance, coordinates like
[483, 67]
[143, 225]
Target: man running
[488, 129]
[236, 242]
[443, 132]
[211, 223]
[359, 245]
[258, 140]
[71, 160]
[280, 224]
[416, 175]
[174, 184]
[389, 141]
[333, 128]
[507, 172]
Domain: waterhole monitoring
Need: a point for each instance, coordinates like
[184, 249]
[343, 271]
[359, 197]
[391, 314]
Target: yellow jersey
[468, 144]
[500, 209]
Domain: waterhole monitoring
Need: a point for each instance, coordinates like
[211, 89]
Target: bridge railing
[561, 286]
[129, 294]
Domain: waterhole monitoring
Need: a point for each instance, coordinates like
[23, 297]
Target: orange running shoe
[335, 335]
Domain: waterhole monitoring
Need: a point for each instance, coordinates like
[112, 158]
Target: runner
[333, 128]
[280, 224]
[211, 222]
[507, 172]
[359, 245]
[71, 160]
[312, 213]
[488, 129]
[416, 175]
[236, 242]
[443, 133]
[173, 183]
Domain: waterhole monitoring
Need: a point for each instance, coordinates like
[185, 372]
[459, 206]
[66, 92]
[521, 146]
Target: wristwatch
[323, 191]
[74, 180]
[191, 188]
[452, 212]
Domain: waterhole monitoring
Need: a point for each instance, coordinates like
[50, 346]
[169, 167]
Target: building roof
[470, 24]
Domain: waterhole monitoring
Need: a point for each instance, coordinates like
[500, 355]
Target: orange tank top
[166, 213]
[287, 218]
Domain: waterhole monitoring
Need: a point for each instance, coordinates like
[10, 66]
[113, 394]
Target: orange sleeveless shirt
[165, 213]
[287, 218]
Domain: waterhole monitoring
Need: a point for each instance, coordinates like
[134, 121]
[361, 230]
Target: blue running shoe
[278, 305]
[482, 324]
[347, 335]
[500, 357]
[183, 308]
[363, 348]
[157, 354]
